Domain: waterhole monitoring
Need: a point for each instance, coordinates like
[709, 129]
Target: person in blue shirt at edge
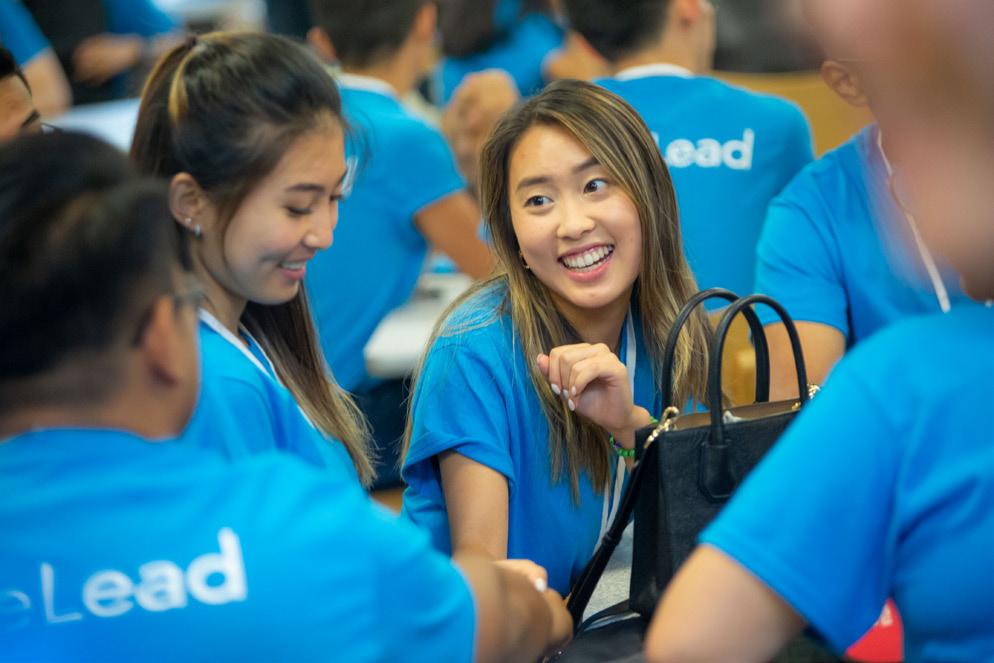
[884, 486]
[836, 250]
[32, 52]
[528, 398]
[92, 43]
[729, 151]
[404, 197]
[132, 547]
[248, 129]
[515, 36]
[18, 114]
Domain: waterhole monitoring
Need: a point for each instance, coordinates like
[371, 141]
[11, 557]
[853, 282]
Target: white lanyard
[941, 294]
[226, 334]
[612, 498]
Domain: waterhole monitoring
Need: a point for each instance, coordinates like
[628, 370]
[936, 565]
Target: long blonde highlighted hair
[620, 141]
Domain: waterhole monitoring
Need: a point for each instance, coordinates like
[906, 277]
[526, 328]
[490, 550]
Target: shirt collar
[654, 69]
[366, 83]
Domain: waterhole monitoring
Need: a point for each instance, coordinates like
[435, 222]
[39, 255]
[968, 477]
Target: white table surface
[396, 346]
[112, 121]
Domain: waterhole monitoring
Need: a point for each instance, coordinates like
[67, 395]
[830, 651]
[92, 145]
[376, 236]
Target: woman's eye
[537, 201]
[298, 211]
[595, 185]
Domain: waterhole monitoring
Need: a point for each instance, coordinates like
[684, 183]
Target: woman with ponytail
[248, 130]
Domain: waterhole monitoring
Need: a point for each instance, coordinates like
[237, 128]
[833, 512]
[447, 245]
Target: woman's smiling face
[578, 231]
[282, 223]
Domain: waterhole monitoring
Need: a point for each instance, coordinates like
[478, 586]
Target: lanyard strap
[612, 496]
[941, 294]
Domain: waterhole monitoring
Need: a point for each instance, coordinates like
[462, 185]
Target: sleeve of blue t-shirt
[19, 33]
[814, 520]
[798, 261]
[459, 406]
[140, 17]
[426, 169]
[333, 559]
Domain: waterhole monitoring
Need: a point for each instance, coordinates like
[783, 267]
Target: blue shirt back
[521, 53]
[836, 250]
[134, 551]
[401, 165]
[884, 486]
[243, 410]
[475, 396]
[729, 152]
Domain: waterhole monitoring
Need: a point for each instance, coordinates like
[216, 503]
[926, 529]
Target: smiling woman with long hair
[527, 401]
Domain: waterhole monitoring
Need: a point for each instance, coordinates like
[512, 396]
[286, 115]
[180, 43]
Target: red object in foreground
[884, 642]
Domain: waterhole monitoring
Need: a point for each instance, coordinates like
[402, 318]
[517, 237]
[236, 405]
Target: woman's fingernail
[555, 389]
[541, 585]
[572, 405]
[573, 391]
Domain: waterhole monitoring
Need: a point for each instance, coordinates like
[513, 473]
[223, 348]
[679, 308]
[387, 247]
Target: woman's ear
[188, 203]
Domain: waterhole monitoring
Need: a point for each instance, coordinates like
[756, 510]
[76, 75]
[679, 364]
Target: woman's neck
[220, 302]
[602, 325]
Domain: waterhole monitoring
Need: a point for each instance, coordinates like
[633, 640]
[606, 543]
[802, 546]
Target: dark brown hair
[225, 108]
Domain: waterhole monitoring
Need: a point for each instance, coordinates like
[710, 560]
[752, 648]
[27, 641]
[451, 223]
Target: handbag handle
[759, 340]
[718, 483]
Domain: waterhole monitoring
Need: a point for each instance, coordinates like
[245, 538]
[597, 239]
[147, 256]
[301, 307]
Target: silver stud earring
[195, 229]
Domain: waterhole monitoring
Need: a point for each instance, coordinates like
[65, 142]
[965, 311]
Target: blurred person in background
[31, 52]
[884, 486]
[17, 109]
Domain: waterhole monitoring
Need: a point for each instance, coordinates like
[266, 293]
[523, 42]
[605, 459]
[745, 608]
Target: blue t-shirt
[729, 152]
[475, 396]
[400, 166]
[884, 487]
[20, 34]
[521, 53]
[244, 410]
[836, 250]
[118, 549]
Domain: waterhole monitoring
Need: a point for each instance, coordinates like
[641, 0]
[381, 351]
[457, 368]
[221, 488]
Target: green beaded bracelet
[622, 452]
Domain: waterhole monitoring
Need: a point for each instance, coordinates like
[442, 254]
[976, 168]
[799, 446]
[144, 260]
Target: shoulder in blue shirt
[729, 152]
[884, 487]
[401, 165]
[475, 396]
[243, 410]
[836, 250]
[134, 551]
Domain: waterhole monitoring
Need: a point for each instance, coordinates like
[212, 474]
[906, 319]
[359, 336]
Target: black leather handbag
[691, 464]
[686, 468]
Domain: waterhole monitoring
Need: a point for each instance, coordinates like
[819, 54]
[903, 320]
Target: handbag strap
[759, 339]
[718, 348]
[584, 586]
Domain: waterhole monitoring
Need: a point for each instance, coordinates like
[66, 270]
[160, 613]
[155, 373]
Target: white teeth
[583, 261]
[298, 264]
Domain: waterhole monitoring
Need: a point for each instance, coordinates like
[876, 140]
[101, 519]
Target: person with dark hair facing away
[514, 36]
[130, 546]
[730, 151]
[17, 110]
[836, 248]
[248, 130]
[404, 197]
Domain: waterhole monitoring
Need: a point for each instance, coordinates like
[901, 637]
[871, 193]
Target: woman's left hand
[595, 384]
